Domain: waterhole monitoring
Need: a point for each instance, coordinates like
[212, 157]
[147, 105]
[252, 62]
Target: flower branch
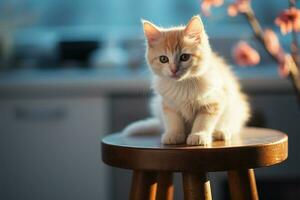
[288, 21]
[280, 56]
[294, 45]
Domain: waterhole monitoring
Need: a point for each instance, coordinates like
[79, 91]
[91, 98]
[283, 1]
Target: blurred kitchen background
[73, 71]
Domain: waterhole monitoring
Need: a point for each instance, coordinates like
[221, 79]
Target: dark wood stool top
[253, 147]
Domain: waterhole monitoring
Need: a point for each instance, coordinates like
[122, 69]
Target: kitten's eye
[163, 59]
[185, 57]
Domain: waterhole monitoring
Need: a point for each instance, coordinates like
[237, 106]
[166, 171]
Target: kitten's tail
[144, 127]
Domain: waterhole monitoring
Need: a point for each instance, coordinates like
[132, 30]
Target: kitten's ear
[195, 27]
[152, 33]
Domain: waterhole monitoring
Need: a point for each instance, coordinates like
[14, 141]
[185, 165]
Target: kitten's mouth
[176, 76]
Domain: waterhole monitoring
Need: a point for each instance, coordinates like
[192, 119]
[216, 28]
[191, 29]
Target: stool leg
[196, 186]
[165, 188]
[242, 184]
[143, 186]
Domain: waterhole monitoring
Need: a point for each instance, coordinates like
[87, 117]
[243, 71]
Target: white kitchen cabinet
[50, 148]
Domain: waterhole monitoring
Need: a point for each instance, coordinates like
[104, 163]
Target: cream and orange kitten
[197, 97]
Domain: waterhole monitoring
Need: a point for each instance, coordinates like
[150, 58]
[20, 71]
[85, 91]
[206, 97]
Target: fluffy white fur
[196, 100]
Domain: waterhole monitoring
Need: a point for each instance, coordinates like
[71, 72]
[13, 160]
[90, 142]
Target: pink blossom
[207, 4]
[245, 55]
[283, 68]
[289, 20]
[271, 41]
[240, 6]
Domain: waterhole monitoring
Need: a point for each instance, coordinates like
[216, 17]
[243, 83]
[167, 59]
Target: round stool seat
[253, 147]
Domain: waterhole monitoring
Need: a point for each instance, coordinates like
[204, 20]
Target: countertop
[105, 81]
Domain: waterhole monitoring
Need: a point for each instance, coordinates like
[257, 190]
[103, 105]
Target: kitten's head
[177, 53]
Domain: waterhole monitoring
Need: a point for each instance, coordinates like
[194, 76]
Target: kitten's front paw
[201, 138]
[173, 138]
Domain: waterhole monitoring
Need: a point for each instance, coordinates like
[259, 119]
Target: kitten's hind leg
[220, 134]
[226, 128]
[231, 121]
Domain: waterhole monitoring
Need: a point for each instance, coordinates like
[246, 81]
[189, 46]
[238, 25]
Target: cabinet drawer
[50, 148]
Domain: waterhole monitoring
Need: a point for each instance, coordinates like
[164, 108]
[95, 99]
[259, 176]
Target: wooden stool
[153, 163]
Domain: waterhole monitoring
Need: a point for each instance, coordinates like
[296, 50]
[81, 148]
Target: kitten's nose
[174, 69]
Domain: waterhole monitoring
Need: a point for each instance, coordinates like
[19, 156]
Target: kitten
[197, 97]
